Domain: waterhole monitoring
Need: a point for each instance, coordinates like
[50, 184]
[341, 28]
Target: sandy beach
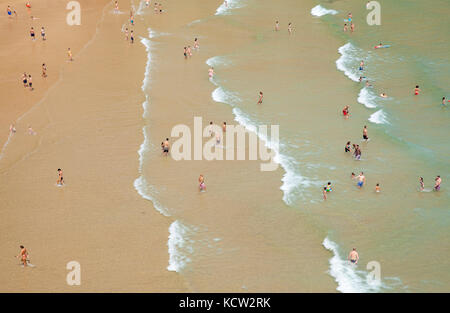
[89, 125]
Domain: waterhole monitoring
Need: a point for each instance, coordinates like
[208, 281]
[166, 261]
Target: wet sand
[90, 126]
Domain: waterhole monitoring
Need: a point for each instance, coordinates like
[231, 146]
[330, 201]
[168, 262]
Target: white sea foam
[180, 246]
[348, 278]
[367, 97]
[292, 179]
[227, 6]
[319, 10]
[221, 95]
[144, 189]
[349, 60]
[218, 61]
[379, 117]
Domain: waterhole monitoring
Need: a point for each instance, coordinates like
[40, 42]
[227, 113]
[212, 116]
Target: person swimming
[416, 90]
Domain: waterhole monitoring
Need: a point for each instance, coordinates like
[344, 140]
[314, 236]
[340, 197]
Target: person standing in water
[290, 28]
[196, 44]
[224, 127]
[353, 256]
[23, 256]
[365, 135]
[260, 98]
[361, 66]
[422, 184]
[348, 147]
[131, 37]
[211, 72]
[437, 183]
[443, 101]
[324, 192]
[277, 26]
[361, 180]
[377, 188]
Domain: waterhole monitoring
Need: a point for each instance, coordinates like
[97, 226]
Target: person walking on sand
[260, 98]
[189, 51]
[437, 183]
[30, 83]
[353, 256]
[60, 180]
[422, 184]
[23, 256]
[365, 134]
[43, 33]
[44, 70]
[12, 129]
[166, 147]
[32, 34]
[126, 34]
[201, 181]
[131, 37]
[361, 180]
[25, 79]
[185, 52]
[69, 54]
[31, 131]
[116, 7]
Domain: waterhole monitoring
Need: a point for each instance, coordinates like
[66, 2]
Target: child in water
[377, 188]
[328, 187]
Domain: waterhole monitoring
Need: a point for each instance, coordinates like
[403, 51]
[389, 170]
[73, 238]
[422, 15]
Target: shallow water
[307, 78]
